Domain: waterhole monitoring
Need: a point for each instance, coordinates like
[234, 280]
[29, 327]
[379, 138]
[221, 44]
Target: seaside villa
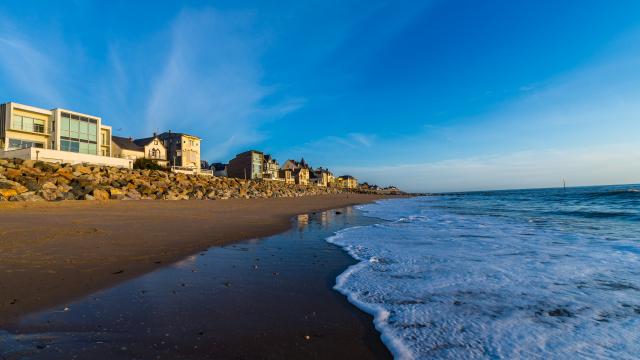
[57, 135]
[183, 152]
[347, 181]
[300, 170]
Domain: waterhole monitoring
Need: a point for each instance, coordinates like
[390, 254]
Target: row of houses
[62, 135]
[255, 164]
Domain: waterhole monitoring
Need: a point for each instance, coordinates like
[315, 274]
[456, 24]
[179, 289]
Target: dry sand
[51, 253]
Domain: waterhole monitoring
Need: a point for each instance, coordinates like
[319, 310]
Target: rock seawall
[30, 180]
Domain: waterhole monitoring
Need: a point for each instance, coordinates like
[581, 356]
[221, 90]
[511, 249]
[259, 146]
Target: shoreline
[45, 258]
[268, 297]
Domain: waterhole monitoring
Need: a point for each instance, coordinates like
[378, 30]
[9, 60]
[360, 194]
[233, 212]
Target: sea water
[548, 274]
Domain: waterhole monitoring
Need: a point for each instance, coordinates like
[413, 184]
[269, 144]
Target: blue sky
[430, 96]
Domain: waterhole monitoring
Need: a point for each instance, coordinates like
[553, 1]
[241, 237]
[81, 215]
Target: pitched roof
[126, 143]
[169, 134]
[346, 177]
[144, 141]
[218, 166]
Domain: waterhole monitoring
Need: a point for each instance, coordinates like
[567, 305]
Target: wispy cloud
[211, 82]
[28, 68]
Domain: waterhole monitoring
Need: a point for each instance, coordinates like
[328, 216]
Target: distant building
[219, 169]
[287, 176]
[347, 181]
[183, 150]
[125, 148]
[320, 177]
[247, 165]
[300, 170]
[154, 149]
[270, 168]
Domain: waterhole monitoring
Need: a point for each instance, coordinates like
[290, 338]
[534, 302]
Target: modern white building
[63, 135]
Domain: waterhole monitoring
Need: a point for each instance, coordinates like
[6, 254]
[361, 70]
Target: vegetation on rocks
[30, 180]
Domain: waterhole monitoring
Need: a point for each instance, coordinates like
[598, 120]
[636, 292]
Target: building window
[23, 144]
[25, 123]
[79, 134]
[155, 142]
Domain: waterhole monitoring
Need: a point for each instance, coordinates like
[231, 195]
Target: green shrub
[147, 164]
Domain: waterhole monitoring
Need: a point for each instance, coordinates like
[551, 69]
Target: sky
[430, 96]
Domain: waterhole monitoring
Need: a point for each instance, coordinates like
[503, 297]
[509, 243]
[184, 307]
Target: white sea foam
[444, 284]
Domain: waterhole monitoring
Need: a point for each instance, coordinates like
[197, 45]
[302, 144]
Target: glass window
[74, 146]
[75, 126]
[27, 123]
[38, 125]
[84, 148]
[64, 145]
[64, 125]
[84, 127]
[93, 149]
[16, 122]
[22, 144]
[93, 129]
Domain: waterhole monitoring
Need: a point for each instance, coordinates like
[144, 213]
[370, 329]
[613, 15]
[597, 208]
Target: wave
[441, 284]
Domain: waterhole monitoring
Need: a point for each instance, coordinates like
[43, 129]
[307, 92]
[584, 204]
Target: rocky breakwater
[29, 180]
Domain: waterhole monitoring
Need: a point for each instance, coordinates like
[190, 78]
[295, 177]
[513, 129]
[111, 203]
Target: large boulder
[99, 194]
[12, 185]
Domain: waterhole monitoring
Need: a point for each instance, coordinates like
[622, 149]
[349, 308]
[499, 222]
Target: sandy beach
[52, 253]
[268, 298]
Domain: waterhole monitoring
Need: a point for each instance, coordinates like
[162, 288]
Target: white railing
[191, 171]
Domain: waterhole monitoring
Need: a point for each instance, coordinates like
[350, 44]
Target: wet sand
[262, 298]
[51, 253]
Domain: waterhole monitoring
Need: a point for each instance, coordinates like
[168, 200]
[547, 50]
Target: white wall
[58, 156]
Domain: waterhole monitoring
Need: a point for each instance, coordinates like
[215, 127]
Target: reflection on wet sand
[270, 296]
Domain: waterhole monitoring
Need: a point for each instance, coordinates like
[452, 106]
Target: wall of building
[156, 147]
[13, 109]
[105, 140]
[302, 177]
[245, 165]
[119, 152]
[56, 156]
[190, 152]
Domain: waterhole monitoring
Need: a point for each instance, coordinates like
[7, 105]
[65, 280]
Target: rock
[7, 193]
[116, 194]
[28, 163]
[100, 194]
[65, 174]
[49, 186]
[48, 195]
[30, 196]
[82, 169]
[13, 185]
[12, 173]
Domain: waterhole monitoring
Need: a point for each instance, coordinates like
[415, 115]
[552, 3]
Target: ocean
[536, 274]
